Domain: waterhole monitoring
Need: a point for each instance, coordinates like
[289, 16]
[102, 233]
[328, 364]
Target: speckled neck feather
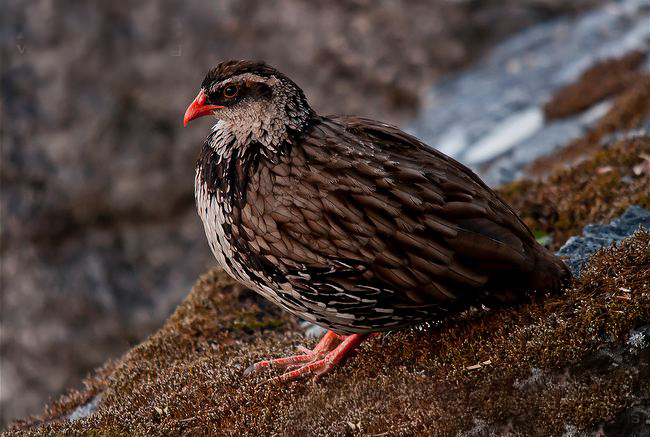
[272, 122]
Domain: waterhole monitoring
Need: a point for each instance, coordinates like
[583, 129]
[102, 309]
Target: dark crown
[232, 68]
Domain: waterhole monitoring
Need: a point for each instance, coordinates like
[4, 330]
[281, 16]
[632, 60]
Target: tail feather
[550, 272]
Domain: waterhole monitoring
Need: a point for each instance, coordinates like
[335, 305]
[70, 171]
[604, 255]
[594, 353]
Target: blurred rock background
[99, 237]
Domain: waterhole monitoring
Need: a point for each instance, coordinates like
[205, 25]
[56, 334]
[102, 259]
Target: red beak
[198, 108]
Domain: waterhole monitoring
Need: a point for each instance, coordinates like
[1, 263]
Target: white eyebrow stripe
[243, 77]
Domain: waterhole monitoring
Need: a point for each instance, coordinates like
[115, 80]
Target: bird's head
[252, 101]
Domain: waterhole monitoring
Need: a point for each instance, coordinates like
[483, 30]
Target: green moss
[543, 238]
[251, 322]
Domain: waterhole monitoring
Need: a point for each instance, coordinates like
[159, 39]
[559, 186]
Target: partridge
[348, 222]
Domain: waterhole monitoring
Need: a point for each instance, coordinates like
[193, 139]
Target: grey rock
[86, 409]
[311, 330]
[490, 117]
[577, 250]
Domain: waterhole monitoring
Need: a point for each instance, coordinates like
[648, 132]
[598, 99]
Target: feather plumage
[352, 223]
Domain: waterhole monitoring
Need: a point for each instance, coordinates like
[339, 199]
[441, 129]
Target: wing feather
[404, 218]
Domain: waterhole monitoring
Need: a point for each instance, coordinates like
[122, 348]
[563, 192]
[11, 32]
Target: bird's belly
[214, 213]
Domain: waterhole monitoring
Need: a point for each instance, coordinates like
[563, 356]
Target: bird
[349, 223]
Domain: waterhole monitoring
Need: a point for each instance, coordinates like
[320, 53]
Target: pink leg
[320, 367]
[325, 345]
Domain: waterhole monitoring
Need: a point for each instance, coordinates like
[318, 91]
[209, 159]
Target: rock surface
[577, 250]
[492, 116]
[99, 236]
[576, 253]
[575, 363]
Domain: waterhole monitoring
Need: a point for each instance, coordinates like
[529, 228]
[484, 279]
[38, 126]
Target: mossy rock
[534, 369]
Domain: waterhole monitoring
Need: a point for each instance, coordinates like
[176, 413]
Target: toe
[256, 368]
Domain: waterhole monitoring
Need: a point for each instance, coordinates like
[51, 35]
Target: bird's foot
[329, 352]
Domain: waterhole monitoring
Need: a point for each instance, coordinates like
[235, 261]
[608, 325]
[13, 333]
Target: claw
[304, 350]
[279, 362]
[319, 361]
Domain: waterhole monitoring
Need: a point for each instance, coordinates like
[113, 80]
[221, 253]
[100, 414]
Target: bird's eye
[230, 91]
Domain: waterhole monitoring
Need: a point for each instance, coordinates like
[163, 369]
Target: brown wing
[383, 213]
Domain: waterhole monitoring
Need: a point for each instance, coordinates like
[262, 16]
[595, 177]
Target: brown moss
[598, 82]
[596, 190]
[542, 369]
[628, 112]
